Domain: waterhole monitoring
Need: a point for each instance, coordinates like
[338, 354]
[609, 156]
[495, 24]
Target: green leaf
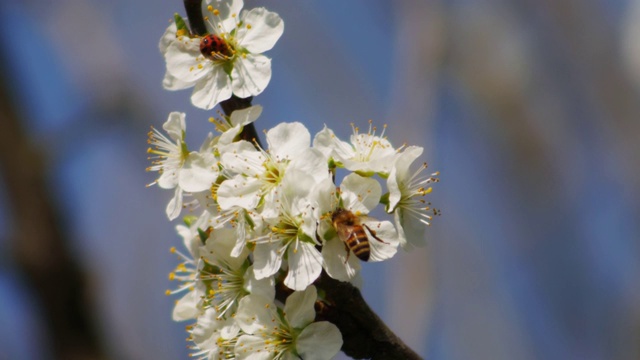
[204, 235]
[189, 219]
[180, 24]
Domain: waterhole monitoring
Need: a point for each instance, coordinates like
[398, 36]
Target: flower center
[215, 48]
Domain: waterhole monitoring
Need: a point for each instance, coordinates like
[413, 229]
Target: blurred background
[529, 109]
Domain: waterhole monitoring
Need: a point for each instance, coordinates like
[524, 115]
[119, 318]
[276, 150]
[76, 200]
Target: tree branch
[39, 244]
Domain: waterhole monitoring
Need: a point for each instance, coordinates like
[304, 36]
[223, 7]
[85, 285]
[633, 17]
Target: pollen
[249, 26]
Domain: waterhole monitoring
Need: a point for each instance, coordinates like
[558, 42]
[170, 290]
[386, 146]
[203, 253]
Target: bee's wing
[344, 232]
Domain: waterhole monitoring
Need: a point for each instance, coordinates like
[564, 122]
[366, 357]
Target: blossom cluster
[257, 219]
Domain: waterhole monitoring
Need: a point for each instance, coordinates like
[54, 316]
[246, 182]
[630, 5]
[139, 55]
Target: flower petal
[212, 89]
[171, 82]
[386, 232]
[239, 191]
[197, 173]
[299, 307]
[261, 30]
[247, 348]
[360, 194]
[254, 313]
[264, 287]
[313, 162]
[305, 265]
[184, 60]
[319, 341]
[287, 140]
[267, 260]
[175, 205]
[186, 308]
[224, 22]
[251, 75]
[245, 116]
[175, 125]
[336, 264]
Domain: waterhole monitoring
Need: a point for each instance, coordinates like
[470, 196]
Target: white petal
[400, 172]
[185, 62]
[245, 161]
[218, 249]
[186, 308]
[319, 341]
[198, 173]
[267, 261]
[175, 125]
[223, 22]
[245, 116]
[323, 197]
[239, 191]
[266, 27]
[251, 75]
[169, 178]
[287, 140]
[312, 162]
[387, 233]
[299, 307]
[228, 136]
[247, 346]
[305, 265]
[336, 264]
[171, 82]
[360, 193]
[212, 89]
[255, 313]
[264, 287]
[327, 142]
[175, 205]
[411, 231]
[205, 332]
[168, 37]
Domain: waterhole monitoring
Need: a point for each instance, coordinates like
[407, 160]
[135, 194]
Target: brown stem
[194, 14]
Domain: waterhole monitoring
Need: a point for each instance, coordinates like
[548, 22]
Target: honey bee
[351, 231]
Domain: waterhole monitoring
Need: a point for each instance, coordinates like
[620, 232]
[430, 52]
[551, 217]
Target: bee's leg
[346, 247]
[373, 233]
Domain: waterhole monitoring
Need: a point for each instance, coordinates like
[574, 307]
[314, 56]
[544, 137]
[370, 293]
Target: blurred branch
[39, 244]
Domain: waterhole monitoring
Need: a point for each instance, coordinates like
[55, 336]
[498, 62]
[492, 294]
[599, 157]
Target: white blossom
[406, 198]
[229, 59]
[365, 153]
[179, 168]
[290, 334]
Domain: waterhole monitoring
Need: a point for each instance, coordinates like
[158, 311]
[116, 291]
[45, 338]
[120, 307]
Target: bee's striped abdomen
[358, 242]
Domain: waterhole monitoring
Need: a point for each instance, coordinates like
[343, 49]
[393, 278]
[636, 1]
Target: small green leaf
[227, 66]
[180, 24]
[189, 219]
[204, 235]
[384, 199]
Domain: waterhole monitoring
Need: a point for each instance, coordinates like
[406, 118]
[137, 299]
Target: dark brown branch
[364, 334]
[194, 14]
[39, 244]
